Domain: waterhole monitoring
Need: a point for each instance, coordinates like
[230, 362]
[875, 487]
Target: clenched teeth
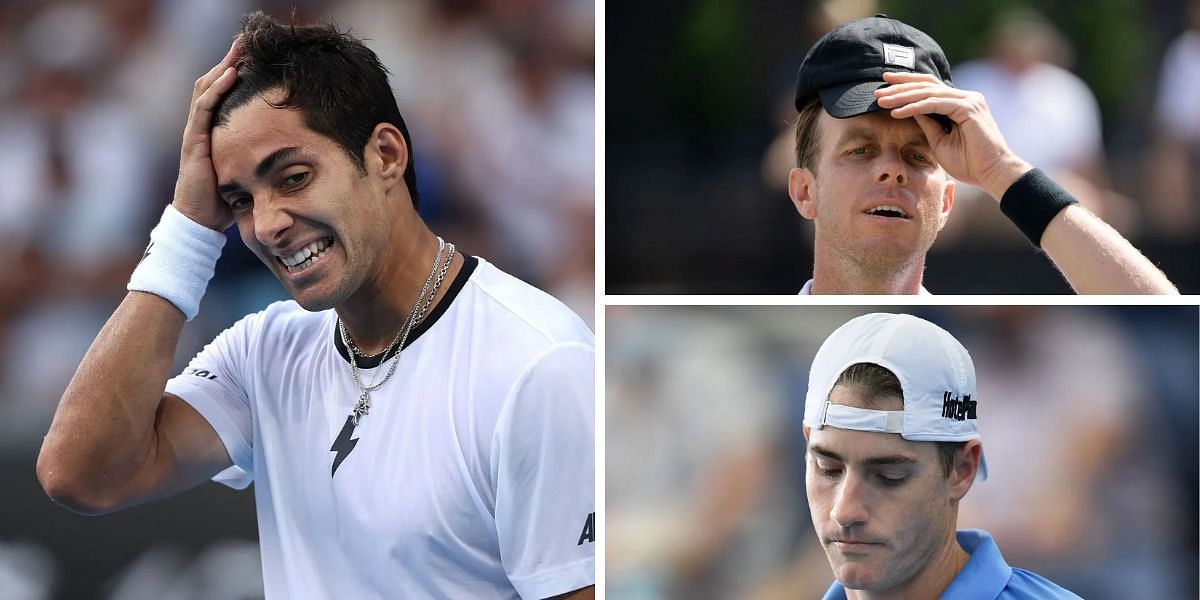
[306, 256]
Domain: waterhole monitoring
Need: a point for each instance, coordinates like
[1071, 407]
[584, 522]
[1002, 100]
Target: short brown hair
[875, 382]
[807, 135]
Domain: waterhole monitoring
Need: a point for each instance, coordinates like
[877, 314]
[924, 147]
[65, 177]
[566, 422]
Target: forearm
[116, 439]
[1096, 259]
[104, 428]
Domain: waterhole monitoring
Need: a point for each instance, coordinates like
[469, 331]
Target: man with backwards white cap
[893, 446]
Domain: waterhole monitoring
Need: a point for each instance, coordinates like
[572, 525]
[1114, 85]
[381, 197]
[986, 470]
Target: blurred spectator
[688, 456]
[27, 571]
[73, 208]
[1067, 409]
[161, 48]
[228, 569]
[1048, 116]
[1172, 201]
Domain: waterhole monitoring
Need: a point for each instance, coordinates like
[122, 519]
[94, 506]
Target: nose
[271, 221]
[848, 508]
[890, 169]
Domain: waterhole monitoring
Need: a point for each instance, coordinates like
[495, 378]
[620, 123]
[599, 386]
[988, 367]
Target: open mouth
[306, 256]
[888, 210]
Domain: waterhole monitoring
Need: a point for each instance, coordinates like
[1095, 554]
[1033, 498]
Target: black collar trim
[469, 264]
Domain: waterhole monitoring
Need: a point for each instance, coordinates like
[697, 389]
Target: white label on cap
[901, 56]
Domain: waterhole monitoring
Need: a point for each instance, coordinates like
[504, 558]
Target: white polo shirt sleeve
[543, 464]
[215, 384]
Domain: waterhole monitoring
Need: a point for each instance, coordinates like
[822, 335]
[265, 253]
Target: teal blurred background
[1088, 417]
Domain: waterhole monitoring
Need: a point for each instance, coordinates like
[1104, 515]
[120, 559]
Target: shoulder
[1182, 48]
[987, 575]
[835, 592]
[514, 309]
[518, 338]
[1026, 585]
[1059, 80]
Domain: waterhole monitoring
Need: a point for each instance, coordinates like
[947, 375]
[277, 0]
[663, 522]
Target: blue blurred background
[499, 97]
[699, 135]
[1088, 417]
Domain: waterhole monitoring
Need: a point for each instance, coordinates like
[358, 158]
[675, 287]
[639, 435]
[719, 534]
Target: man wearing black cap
[881, 133]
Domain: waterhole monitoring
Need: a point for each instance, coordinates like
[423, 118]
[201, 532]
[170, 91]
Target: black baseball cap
[846, 66]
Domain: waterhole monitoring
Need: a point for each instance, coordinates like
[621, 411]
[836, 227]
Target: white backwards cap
[936, 376]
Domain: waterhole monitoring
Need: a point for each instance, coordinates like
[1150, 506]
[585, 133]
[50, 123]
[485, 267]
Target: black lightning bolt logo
[147, 252]
[343, 444]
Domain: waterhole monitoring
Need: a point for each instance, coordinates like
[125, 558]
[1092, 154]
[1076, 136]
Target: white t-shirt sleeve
[215, 384]
[544, 464]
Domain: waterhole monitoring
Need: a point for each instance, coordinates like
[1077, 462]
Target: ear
[805, 427]
[966, 464]
[802, 187]
[386, 154]
[947, 203]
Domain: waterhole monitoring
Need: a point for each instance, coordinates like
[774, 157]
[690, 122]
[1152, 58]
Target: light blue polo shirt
[986, 576]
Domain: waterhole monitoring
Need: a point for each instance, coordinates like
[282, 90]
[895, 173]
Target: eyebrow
[858, 133]
[894, 459]
[265, 166]
[866, 133]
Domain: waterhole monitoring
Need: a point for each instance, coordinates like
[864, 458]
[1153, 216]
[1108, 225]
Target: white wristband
[179, 261]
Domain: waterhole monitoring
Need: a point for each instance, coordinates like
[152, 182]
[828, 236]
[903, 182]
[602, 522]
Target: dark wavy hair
[336, 82]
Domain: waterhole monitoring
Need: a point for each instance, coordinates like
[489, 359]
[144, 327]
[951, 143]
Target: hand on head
[973, 151]
[196, 189]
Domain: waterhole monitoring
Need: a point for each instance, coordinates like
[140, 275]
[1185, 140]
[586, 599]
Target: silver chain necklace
[416, 315]
[354, 351]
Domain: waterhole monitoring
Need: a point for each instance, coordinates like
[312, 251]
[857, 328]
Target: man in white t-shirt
[418, 423]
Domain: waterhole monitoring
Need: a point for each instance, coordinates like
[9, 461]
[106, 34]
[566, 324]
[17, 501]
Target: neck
[836, 273]
[929, 582]
[375, 314]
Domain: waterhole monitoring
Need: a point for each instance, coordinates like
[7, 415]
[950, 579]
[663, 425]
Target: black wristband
[1032, 201]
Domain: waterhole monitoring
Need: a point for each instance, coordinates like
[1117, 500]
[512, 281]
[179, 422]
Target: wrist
[179, 261]
[1032, 202]
[1006, 172]
[198, 217]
